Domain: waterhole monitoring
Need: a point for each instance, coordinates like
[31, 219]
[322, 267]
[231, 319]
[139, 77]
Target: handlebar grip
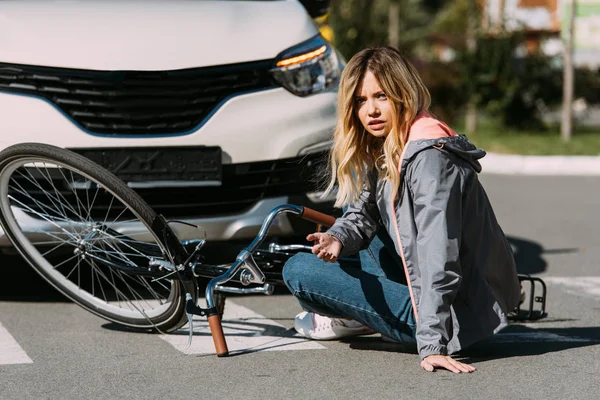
[317, 217]
[216, 330]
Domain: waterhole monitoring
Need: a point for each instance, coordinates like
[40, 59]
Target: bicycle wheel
[89, 235]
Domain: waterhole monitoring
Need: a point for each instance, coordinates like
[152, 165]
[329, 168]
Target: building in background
[543, 21]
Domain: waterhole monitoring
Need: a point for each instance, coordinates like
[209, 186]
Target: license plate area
[147, 167]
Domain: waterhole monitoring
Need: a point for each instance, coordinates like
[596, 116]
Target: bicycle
[126, 263]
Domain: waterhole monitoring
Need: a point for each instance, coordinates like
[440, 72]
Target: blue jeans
[371, 290]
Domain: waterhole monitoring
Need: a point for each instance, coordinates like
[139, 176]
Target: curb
[509, 164]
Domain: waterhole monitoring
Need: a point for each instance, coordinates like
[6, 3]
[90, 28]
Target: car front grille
[243, 185]
[136, 102]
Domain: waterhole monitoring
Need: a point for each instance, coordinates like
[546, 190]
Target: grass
[492, 137]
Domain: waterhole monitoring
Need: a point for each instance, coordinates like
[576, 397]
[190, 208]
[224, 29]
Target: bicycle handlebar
[317, 217]
[245, 259]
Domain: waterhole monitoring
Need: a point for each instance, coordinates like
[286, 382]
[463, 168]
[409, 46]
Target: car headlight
[310, 67]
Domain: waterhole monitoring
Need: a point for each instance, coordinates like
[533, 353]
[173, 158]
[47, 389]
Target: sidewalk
[510, 164]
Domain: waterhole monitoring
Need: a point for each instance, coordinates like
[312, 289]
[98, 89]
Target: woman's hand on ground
[430, 363]
[326, 247]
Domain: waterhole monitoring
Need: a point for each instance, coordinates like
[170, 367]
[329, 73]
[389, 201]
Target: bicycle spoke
[49, 180]
[116, 289]
[79, 204]
[76, 267]
[117, 253]
[132, 248]
[108, 210]
[22, 191]
[65, 261]
[112, 276]
[93, 238]
[133, 292]
[136, 293]
[48, 196]
[41, 205]
[49, 241]
[46, 219]
[123, 277]
[53, 235]
[162, 284]
[113, 252]
[118, 294]
[93, 201]
[102, 289]
[145, 283]
[52, 249]
[126, 239]
[121, 257]
[116, 218]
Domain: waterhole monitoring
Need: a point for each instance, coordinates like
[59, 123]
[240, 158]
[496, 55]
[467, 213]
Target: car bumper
[264, 125]
[244, 225]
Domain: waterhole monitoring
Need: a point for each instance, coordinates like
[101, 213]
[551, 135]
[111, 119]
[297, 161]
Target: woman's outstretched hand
[326, 247]
[430, 363]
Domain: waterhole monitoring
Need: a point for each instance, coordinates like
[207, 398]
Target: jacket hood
[459, 145]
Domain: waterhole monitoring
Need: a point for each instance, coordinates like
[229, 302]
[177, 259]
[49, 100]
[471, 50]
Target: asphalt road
[552, 222]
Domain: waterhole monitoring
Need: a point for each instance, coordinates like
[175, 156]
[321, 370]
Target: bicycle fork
[249, 272]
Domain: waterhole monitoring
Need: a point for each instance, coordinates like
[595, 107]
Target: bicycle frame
[249, 273]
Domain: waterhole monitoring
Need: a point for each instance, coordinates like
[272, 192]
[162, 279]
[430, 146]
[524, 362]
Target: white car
[214, 111]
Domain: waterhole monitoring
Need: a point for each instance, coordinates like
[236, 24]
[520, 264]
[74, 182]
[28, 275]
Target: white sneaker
[319, 327]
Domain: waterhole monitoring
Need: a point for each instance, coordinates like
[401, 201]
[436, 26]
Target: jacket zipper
[396, 228]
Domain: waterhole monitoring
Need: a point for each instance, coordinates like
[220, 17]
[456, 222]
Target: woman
[436, 268]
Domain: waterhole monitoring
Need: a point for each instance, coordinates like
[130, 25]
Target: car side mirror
[316, 8]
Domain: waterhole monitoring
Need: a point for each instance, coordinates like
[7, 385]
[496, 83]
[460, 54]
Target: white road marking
[244, 330]
[577, 285]
[10, 351]
[247, 330]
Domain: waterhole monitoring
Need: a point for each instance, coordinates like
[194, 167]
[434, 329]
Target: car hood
[148, 35]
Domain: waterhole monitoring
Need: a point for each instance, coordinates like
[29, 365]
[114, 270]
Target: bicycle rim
[51, 211]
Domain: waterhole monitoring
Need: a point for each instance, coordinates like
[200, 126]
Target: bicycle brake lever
[188, 297]
[192, 309]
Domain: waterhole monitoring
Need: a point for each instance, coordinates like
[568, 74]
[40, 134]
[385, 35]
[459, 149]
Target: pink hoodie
[427, 127]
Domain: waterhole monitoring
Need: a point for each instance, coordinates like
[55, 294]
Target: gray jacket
[461, 268]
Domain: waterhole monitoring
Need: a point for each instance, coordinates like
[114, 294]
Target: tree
[566, 126]
[362, 23]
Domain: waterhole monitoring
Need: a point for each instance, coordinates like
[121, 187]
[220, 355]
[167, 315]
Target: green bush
[510, 86]
[444, 82]
[587, 85]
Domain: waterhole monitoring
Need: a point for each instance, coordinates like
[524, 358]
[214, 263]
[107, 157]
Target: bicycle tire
[114, 260]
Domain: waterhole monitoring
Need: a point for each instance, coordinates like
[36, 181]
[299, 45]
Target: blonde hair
[355, 152]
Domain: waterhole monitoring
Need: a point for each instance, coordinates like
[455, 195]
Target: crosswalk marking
[577, 285]
[10, 351]
[244, 330]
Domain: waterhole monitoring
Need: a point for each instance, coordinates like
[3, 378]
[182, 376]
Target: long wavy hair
[355, 152]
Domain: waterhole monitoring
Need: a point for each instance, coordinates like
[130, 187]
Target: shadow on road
[514, 341]
[529, 255]
[20, 282]
[519, 341]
